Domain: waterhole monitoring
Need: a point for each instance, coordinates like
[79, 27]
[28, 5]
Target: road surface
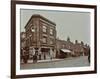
[67, 62]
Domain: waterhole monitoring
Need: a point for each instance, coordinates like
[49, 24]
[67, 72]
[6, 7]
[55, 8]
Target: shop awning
[66, 50]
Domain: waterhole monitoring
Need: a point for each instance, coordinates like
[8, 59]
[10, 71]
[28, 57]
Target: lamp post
[33, 30]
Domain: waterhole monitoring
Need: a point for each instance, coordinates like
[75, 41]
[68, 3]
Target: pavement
[43, 61]
[57, 63]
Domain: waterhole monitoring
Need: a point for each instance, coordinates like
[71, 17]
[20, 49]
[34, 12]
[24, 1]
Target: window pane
[44, 39]
[51, 31]
[51, 41]
[44, 28]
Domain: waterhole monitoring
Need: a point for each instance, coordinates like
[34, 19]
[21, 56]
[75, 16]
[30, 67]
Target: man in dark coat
[89, 55]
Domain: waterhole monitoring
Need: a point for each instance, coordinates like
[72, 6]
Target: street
[67, 62]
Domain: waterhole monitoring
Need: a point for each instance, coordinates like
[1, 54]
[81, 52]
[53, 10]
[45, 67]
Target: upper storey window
[51, 31]
[44, 28]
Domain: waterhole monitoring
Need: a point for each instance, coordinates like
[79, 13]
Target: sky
[75, 25]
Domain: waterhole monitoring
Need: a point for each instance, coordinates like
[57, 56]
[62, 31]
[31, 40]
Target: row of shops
[40, 42]
[45, 53]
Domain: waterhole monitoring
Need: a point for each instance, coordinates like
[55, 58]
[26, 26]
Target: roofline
[39, 16]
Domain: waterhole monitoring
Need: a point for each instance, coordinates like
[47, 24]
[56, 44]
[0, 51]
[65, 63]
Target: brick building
[71, 49]
[22, 38]
[41, 36]
[80, 49]
[64, 47]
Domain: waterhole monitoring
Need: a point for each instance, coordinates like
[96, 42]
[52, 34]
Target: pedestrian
[51, 53]
[89, 55]
[33, 54]
[39, 53]
[27, 53]
[21, 55]
[44, 56]
[24, 56]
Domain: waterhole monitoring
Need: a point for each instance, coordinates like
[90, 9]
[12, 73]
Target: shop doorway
[45, 53]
